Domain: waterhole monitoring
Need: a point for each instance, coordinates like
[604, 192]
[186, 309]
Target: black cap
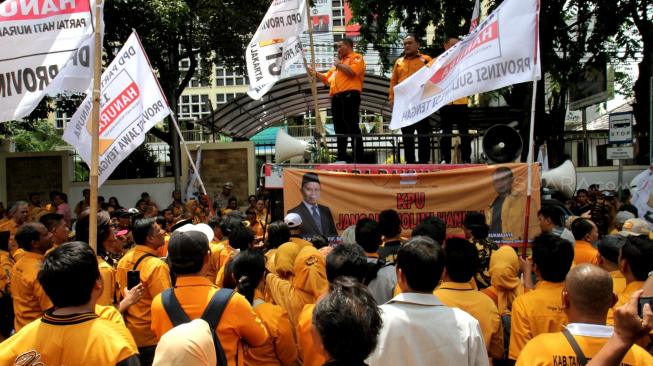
[609, 247]
[474, 220]
[122, 213]
[180, 223]
[186, 248]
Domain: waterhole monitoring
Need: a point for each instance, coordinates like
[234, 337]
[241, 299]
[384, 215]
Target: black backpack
[211, 315]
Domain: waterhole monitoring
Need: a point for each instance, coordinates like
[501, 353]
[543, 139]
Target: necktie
[316, 218]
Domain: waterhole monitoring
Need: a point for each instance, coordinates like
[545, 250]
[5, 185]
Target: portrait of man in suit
[316, 218]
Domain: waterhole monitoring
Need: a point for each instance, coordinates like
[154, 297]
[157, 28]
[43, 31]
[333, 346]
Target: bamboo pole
[319, 128]
[95, 132]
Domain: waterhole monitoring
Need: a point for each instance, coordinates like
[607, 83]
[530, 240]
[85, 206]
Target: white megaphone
[288, 147]
[561, 179]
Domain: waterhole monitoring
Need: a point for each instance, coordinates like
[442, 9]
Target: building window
[61, 120]
[338, 7]
[192, 107]
[226, 77]
[195, 81]
[225, 98]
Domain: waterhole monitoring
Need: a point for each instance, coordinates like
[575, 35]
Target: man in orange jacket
[345, 80]
[405, 66]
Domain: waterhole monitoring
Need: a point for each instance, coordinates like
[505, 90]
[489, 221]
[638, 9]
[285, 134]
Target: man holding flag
[345, 80]
[404, 67]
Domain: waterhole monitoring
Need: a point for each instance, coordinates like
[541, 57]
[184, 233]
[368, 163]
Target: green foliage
[36, 135]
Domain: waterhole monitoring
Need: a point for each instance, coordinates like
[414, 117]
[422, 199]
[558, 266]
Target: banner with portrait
[329, 202]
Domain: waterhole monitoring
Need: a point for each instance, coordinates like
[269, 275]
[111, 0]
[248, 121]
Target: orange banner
[329, 202]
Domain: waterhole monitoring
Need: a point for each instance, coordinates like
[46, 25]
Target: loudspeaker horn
[502, 144]
[561, 179]
[288, 147]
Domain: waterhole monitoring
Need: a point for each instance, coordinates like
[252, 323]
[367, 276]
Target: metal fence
[379, 148]
[158, 155]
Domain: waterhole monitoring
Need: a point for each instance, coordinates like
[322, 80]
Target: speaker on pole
[502, 144]
[288, 147]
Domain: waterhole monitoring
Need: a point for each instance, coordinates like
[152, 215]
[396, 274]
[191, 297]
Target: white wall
[606, 177]
[129, 191]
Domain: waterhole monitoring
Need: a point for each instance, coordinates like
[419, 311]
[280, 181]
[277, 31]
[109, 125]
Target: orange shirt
[11, 226]
[30, 300]
[280, 348]
[238, 320]
[623, 298]
[554, 349]
[405, 67]
[108, 274]
[340, 82]
[310, 349]
[220, 253]
[536, 312]
[584, 252]
[618, 282]
[155, 277]
[110, 313]
[6, 263]
[478, 305]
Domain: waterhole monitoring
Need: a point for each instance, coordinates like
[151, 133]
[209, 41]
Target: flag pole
[183, 143]
[95, 129]
[174, 120]
[319, 129]
[531, 142]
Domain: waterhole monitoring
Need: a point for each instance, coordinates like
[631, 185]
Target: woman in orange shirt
[246, 275]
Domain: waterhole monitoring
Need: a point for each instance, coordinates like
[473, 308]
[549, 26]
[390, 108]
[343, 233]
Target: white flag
[37, 38]
[476, 16]
[503, 50]
[131, 104]
[275, 45]
[194, 178]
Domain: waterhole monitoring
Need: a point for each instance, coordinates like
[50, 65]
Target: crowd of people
[205, 283]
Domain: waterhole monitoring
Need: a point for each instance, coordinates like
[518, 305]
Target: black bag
[211, 315]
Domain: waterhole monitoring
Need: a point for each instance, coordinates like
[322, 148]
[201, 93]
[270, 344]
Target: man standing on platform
[456, 113]
[345, 80]
[404, 67]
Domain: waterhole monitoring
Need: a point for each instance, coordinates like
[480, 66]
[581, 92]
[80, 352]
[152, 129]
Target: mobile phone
[133, 279]
[640, 305]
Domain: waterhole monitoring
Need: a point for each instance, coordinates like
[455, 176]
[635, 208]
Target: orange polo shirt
[111, 314]
[340, 82]
[108, 274]
[220, 254]
[280, 348]
[478, 305]
[405, 67]
[6, 263]
[554, 349]
[155, 277]
[310, 348]
[238, 320]
[584, 252]
[618, 282]
[30, 300]
[11, 226]
[536, 312]
[623, 298]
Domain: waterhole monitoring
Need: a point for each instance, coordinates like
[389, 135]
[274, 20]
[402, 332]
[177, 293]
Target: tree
[629, 23]
[204, 32]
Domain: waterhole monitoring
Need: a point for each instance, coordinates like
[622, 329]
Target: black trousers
[345, 111]
[146, 355]
[455, 114]
[423, 129]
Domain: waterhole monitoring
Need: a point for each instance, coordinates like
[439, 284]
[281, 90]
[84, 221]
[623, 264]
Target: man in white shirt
[417, 328]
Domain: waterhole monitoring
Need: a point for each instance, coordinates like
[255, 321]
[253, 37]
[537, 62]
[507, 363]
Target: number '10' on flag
[131, 103]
